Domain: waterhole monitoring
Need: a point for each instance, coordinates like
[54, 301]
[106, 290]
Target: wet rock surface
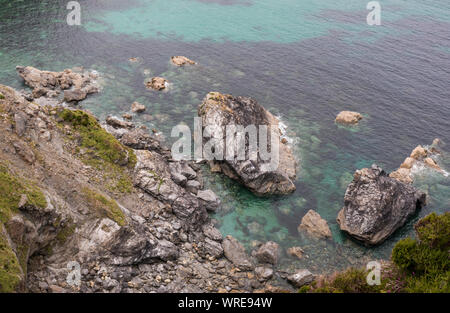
[376, 205]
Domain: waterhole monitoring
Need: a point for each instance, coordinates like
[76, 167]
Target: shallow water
[304, 60]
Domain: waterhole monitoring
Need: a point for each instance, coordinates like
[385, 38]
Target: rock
[74, 95]
[431, 163]
[348, 117]
[262, 175]
[419, 153]
[183, 169]
[301, 278]
[403, 175]
[116, 123]
[193, 186]
[295, 252]
[210, 199]
[181, 61]
[76, 86]
[136, 107]
[157, 83]
[56, 289]
[127, 116]
[212, 248]
[24, 151]
[408, 163]
[314, 225]
[211, 232]
[235, 252]
[268, 253]
[376, 205]
[264, 273]
[179, 179]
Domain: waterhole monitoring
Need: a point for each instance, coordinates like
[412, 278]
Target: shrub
[350, 281]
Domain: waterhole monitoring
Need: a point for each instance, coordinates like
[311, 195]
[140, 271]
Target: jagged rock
[116, 123]
[313, 224]
[296, 252]
[408, 163]
[431, 163]
[181, 61]
[157, 83]
[20, 119]
[235, 252]
[301, 278]
[260, 176]
[76, 86]
[179, 179]
[211, 232]
[268, 253]
[212, 248]
[210, 199]
[193, 186]
[348, 117]
[264, 273]
[403, 175]
[136, 107]
[376, 205]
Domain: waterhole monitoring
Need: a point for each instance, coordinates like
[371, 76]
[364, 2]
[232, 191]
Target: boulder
[264, 273]
[136, 107]
[402, 174]
[263, 175]
[408, 163]
[157, 83]
[268, 253]
[376, 205]
[301, 278]
[181, 61]
[313, 224]
[432, 163]
[116, 123]
[348, 117]
[210, 199]
[235, 252]
[75, 95]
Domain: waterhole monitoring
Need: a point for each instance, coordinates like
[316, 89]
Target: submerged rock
[313, 224]
[376, 205]
[295, 251]
[181, 61]
[76, 86]
[261, 175]
[348, 117]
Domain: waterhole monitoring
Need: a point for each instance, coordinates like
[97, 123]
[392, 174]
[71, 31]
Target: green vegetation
[102, 150]
[425, 263]
[2, 96]
[10, 271]
[11, 190]
[65, 233]
[419, 265]
[104, 207]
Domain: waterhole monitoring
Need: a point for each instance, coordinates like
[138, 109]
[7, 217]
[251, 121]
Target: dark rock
[268, 253]
[235, 252]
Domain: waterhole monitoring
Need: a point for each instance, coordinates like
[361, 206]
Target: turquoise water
[303, 60]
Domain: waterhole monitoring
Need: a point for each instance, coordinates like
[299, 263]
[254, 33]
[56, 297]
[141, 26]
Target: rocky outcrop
[348, 117]
[295, 252]
[314, 225]
[376, 205]
[73, 85]
[274, 174]
[157, 83]
[421, 157]
[181, 61]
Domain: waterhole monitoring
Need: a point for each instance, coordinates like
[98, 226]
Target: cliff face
[109, 199]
